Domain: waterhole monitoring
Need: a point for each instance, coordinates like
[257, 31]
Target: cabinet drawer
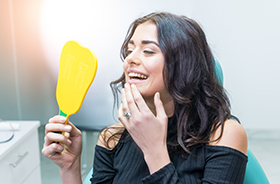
[22, 160]
[35, 177]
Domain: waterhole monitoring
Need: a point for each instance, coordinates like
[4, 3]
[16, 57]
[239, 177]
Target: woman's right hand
[66, 155]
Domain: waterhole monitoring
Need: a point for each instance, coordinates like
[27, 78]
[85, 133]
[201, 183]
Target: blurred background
[244, 37]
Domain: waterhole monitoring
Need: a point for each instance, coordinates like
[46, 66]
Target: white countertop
[26, 128]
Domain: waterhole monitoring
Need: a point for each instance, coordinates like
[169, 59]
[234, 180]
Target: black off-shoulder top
[125, 164]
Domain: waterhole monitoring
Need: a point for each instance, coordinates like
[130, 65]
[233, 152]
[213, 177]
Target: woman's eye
[129, 51]
[148, 52]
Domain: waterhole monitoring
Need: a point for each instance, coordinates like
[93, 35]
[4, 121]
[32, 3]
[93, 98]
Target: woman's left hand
[149, 131]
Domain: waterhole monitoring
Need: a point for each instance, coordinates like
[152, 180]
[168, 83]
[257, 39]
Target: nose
[133, 58]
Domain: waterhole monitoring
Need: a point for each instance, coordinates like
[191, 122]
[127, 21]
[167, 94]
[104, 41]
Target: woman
[175, 120]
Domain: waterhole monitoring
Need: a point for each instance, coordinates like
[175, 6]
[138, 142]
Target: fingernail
[67, 128]
[126, 85]
[158, 95]
[68, 141]
[62, 119]
[133, 86]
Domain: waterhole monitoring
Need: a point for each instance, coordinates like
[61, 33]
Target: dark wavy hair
[201, 103]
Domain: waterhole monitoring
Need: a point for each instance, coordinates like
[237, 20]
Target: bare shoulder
[110, 136]
[234, 136]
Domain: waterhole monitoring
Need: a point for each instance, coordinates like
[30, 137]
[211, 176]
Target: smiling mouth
[137, 76]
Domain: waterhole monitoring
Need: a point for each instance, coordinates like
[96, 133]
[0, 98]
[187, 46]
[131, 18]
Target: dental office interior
[243, 35]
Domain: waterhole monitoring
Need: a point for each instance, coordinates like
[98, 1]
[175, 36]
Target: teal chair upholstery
[87, 179]
[254, 172]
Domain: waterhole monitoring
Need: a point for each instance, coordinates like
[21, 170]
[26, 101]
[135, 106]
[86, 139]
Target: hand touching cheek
[149, 131]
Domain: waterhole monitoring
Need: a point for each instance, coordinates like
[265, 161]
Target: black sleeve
[103, 171]
[167, 175]
[224, 165]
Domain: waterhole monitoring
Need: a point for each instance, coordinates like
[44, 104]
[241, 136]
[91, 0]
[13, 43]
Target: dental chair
[254, 173]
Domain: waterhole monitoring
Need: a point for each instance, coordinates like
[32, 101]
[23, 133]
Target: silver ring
[127, 115]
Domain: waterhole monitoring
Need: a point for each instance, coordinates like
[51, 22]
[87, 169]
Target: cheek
[125, 66]
[157, 77]
[156, 71]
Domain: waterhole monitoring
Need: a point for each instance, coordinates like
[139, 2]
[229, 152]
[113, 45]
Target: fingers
[74, 132]
[128, 99]
[52, 149]
[133, 100]
[124, 106]
[159, 107]
[127, 105]
[52, 137]
[56, 123]
[121, 116]
[138, 100]
[53, 134]
[54, 128]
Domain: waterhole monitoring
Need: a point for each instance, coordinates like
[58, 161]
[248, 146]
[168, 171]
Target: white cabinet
[20, 157]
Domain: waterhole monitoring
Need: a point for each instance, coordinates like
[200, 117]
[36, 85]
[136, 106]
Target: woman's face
[144, 64]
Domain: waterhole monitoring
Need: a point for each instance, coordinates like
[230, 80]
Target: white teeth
[132, 74]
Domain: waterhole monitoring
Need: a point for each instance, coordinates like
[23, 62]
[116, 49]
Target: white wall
[244, 36]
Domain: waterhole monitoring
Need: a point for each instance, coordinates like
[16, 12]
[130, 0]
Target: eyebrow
[145, 42]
